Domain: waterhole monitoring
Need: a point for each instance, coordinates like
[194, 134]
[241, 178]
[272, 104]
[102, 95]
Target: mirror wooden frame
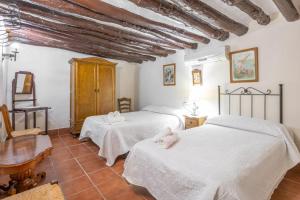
[16, 82]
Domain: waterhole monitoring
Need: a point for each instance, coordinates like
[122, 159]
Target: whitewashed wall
[151, 89]
[52, 77]
[279, 53]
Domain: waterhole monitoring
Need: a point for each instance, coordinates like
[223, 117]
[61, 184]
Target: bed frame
[252, 92]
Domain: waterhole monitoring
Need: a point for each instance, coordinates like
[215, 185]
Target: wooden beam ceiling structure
[126, 19]
[205, 12]
[101, 29]
[251, 9]
[170, 10]
[288, 9]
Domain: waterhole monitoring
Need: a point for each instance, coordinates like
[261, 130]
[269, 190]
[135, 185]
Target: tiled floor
[84, 176]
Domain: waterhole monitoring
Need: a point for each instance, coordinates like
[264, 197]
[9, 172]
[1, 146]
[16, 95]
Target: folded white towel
[169, 141]
[114, 117]
[157, 138]
[166, 138]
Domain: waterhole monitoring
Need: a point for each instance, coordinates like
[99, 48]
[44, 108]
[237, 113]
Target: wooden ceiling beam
[91, 42]
[167, 9]
[287, 9]
[65, 40]
[254, 11]
[210, 15]
[125, 19]
[30, 20]
[88, 40]
[297, 5]
[133, 20]
[69, 47]
[134, 37]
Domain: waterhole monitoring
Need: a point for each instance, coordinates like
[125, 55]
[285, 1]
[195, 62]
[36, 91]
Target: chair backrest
[124, 105]
[6, 120]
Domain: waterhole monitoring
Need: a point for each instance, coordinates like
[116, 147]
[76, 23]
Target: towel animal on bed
[166, 138]
[114, 117]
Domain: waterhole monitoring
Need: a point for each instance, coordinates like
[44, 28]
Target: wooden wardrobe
[92, 89]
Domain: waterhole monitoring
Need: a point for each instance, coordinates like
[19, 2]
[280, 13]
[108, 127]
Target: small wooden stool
[44, 192]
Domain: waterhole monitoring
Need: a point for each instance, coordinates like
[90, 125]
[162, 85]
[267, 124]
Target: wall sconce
[11, 56]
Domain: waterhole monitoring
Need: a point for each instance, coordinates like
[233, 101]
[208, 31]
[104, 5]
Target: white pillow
[249, 124]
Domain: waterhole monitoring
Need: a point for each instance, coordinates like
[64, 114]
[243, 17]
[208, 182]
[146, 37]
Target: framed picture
[197, 77]
[169, 74]
[244, 66]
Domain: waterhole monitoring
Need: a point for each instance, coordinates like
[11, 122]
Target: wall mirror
[24, 82]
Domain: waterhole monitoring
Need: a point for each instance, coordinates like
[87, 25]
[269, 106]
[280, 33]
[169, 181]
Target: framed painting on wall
[169, 74]
[197, 77]
[244, 66]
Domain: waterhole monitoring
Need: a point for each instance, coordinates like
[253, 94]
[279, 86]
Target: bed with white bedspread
[118, 138]
[229, 158]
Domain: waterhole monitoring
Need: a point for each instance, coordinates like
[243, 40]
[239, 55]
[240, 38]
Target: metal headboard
[250, 91]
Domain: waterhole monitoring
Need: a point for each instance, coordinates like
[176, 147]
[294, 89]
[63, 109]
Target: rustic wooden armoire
[92, 89]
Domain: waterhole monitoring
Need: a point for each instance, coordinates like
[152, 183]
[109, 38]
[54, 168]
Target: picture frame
[197, 77]
[169, 74]
[244, 66]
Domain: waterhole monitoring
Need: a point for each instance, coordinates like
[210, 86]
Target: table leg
[26, 120]
[26, 180]
[34, 119]
[46, 121]
[13, 117]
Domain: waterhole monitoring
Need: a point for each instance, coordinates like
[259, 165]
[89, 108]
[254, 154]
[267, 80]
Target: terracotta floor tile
[68, 170]
[64, 131]
[101, 176]
[113, 185]
[57, 142]
[91, 162]
[118, 167]
[89, 194]
[53, 134]
[76, 185]
[61, 154]
[79, 150]
[142, 192]
[51, 175]
[93, 147]
[69, 140]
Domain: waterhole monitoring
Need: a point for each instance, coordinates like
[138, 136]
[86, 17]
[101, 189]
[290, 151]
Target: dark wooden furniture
[92, 89]
[194, 121]
[10, 131]
[124, 105]
[26, 85]
[19, 157]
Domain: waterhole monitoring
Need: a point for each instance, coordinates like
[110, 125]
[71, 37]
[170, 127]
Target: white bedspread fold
[118, 138]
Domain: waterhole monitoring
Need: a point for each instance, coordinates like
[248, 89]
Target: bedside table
[194, 121]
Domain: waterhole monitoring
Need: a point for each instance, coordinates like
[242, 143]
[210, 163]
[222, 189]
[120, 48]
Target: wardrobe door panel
[86, 94]
[106, 92]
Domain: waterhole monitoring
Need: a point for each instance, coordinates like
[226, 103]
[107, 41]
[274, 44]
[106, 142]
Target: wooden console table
[19, 157]
[33, 109]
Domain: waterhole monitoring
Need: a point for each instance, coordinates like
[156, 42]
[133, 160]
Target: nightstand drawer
[191, 122]
[194, 121]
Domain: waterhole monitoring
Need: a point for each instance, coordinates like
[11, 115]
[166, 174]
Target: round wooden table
[19, 157]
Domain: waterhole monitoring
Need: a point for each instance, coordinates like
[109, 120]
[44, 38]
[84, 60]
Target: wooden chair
[124, 105]
[10, 131]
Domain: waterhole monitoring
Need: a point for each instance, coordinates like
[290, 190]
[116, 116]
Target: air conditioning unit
[207, 55]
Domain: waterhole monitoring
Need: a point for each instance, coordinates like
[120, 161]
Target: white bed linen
[213, 162]
[118, 138]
